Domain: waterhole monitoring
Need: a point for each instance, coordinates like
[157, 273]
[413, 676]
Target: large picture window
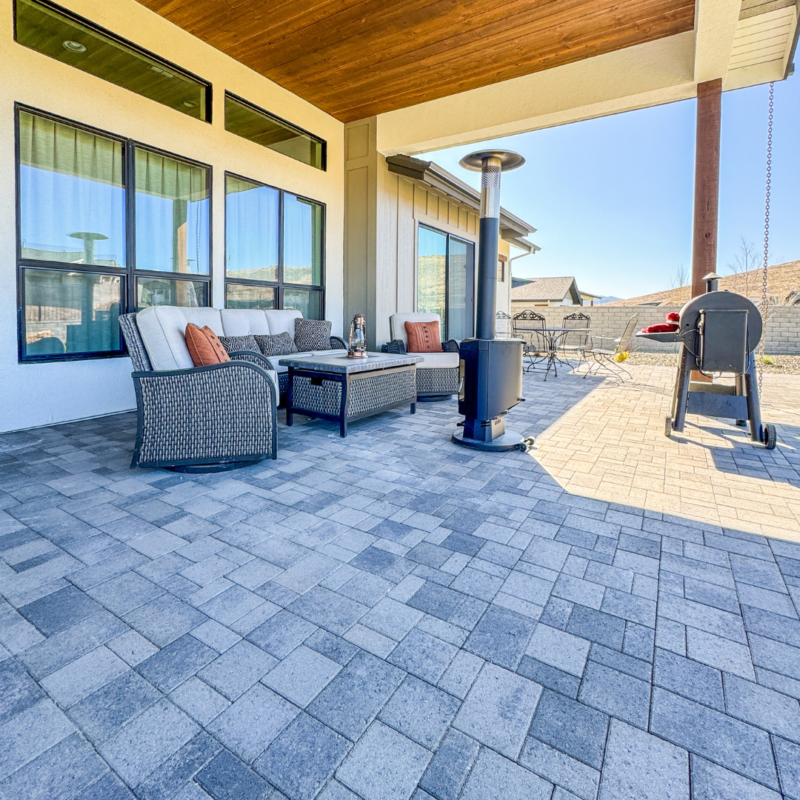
[273, 249]
[446, 281]
[106, 226]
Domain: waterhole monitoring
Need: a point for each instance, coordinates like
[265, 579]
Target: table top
[661, 336]
[340, 363]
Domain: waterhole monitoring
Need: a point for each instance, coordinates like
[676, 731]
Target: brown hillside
[783, 280]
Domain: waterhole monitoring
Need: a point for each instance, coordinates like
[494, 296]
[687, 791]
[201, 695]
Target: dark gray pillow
[235, 344]
[312, 334]
[278, 345]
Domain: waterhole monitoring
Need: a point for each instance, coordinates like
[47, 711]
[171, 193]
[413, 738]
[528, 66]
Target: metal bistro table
[342, 389]
[553, 338]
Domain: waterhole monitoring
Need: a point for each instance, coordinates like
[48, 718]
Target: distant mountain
[608, 299]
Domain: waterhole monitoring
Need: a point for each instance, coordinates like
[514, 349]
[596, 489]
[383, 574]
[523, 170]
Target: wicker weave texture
[210, 414]
[133, 339]
[437, 381]
[363, 395]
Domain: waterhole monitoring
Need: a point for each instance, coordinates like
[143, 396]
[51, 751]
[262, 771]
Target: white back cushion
[397, 323]
[244, 321]
[162, 330]
[282, 321]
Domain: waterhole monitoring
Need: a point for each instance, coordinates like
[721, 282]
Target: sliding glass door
[446, 281]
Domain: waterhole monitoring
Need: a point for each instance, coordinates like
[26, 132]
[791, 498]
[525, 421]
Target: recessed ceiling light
[162, 71]
[190, 104]
[74, 47]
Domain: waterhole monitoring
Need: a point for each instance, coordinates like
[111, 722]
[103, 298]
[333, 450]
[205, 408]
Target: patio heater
[491, 369]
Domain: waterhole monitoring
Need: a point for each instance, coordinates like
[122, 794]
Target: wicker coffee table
[342, 389]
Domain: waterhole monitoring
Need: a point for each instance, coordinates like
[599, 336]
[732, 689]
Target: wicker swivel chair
[602, 352]
[202, 419]
[527, 325]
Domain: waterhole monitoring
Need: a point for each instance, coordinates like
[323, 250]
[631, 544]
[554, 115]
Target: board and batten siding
[383, 214]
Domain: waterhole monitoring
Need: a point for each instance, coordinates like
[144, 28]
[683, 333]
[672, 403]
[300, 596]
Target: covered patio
[612, 614]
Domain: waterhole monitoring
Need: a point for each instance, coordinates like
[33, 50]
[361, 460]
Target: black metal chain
[764, 295]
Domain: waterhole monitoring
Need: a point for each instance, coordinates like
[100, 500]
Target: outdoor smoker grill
[491, 369]
[719, 333]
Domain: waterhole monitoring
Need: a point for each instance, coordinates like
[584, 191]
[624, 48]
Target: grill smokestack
[491, 368]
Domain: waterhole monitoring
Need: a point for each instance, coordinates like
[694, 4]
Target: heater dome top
[508, 160]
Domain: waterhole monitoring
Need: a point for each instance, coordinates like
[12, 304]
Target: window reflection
[172, 205]
[72, 194]
[162, 292]
[71, 312]
[432, 274]
[309, 303]
[238, 295]
[252, 213]
[302, 241]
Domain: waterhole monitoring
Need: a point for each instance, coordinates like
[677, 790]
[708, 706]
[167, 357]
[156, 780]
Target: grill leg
[753, 402]
[681, 398]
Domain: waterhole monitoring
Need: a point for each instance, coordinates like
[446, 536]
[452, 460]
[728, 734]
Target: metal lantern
[357, 342]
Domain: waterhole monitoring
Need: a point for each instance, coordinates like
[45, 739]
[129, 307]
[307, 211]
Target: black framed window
[446, 281]
[105, 226]
[60, 34]
[259, 126]
[274, 248]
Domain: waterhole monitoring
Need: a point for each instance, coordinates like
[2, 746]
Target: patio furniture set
[553, 345]
[223, 416]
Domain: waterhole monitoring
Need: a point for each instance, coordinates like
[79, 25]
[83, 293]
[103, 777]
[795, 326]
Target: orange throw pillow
[203, 350]
[423, 337]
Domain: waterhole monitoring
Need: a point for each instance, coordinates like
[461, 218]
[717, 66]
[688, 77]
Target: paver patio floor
[390, 616]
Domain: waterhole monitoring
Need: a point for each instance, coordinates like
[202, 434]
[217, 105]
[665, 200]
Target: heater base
[508, 441]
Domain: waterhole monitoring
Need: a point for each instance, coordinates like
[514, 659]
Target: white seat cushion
[244, 321]
[397, 323]
[162, 330]
[438, 360]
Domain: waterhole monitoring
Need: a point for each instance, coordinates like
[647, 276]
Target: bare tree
[742, 267]
[679, 278]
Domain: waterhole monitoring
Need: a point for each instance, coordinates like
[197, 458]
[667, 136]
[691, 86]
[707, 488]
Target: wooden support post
[706, 187]
[706, 183]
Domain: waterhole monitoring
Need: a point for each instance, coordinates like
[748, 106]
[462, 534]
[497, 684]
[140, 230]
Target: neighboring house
[783, 288]
[545, 292]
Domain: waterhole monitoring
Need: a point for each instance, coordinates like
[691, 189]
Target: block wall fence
[783, 325]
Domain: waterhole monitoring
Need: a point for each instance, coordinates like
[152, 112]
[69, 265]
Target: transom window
[273, 248]
[106, 226]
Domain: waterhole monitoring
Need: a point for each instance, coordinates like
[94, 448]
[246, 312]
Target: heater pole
[488, 247]
[491, 369]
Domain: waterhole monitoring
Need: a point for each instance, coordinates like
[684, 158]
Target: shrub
[620, 357]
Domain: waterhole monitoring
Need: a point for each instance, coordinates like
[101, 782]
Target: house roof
[783, 280]
[512, 229]
[546, 289]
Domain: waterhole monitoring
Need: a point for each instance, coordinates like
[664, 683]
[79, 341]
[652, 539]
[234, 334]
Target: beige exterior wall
[37, 394]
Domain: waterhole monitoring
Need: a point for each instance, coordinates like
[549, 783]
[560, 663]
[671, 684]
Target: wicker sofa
[205, 418]
[438, 373]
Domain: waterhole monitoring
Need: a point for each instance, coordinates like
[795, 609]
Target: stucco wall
[782, 331]
[38, 394]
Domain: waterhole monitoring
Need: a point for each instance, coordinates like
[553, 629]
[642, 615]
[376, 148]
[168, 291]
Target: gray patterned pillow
[235, 344]
[312, 334]
[278, 345]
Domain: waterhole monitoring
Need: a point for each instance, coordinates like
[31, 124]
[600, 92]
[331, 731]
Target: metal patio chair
[527, 325]
[574, 344]
[602, 355]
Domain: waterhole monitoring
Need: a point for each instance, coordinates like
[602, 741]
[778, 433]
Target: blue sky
[612, 197]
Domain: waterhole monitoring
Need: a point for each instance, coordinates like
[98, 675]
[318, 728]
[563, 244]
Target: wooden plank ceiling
[356, 58]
